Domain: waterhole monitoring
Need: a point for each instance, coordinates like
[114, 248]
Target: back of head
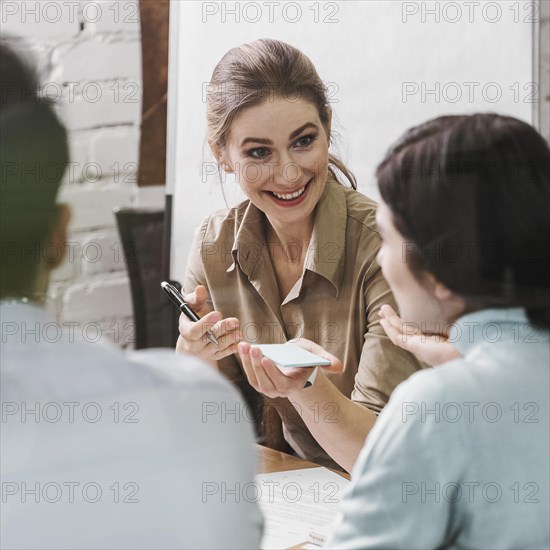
[471, 194]
[33, 157]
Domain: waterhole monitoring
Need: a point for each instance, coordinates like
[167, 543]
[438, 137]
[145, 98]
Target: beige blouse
[335, 303]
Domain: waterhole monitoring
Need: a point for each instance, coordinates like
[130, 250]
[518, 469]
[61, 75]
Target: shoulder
[361, 211]
[451, 380]
[412, 417]
[156, 370]
[362, 239]
[181, 371]
[75, 370]
[443, 398]
[360, 207]
[221, 224]
[416, 404]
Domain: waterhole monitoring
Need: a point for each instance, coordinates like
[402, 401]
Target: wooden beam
[154, 17]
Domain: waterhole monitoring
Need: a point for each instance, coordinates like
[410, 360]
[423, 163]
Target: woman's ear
[438, 289]
[58, 235]
[220, 156]
[454, 302]
[216, 150]
[329, 123]
[435, 287]
[441, 292]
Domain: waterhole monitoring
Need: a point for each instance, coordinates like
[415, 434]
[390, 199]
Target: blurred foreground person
[98, 449]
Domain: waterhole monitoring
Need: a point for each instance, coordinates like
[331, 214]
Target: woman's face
[279, 153]
[416, 300]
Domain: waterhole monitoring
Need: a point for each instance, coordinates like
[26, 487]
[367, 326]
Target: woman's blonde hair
[264, 69]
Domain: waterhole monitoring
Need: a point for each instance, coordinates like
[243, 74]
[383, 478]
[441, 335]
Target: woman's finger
[224, 327]
[289, 381]
[207, 350]
[388, 313]
[335, 366]
[405, 330]
[192, 331]
[397, 338]
[224, 352]
[229, 338]
[197, 300]
[193, 340]
[244, 354]
[290, 378]
[265, 383]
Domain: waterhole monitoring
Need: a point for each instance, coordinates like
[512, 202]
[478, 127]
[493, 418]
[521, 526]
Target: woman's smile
[279, 152]
[292, 198]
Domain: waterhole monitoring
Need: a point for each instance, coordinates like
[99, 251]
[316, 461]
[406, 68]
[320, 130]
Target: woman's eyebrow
[301, 129]
[265, 141]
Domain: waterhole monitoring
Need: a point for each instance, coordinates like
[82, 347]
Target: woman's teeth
[289, 196]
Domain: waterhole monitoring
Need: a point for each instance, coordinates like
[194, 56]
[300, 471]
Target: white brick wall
[92, 203]
[89, 56]
[84, 111]
[106, 59]
[40, 20]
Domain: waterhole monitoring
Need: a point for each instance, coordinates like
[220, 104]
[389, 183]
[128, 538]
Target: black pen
[183, 306]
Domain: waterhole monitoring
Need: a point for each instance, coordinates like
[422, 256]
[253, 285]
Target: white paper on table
[296, 502]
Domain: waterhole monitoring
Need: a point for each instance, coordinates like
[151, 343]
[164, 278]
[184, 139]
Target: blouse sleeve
[195, 274]
[382, 365]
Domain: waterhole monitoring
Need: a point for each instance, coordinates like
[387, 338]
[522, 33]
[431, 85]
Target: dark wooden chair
[142, 233]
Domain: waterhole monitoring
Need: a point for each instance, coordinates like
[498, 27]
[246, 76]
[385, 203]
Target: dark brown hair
[33, 158]
[471, 196]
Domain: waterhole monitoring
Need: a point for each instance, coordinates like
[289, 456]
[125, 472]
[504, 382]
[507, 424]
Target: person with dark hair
[33, 156]
[459, 457]
[98, 449]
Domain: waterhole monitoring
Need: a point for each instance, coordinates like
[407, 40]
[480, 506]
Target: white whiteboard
[389, 65]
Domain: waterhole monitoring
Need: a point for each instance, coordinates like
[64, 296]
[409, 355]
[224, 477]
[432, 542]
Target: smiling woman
[295, 261]
[283, 171]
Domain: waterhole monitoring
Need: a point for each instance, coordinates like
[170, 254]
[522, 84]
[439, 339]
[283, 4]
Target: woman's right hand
[431, 349]
[193, 337]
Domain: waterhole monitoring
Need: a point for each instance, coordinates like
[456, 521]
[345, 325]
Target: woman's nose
[287, 172]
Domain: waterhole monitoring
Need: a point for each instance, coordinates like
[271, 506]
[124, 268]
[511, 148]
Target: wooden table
[270, 461]
[276, 461]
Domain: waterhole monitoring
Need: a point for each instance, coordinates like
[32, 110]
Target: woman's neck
[293, 240]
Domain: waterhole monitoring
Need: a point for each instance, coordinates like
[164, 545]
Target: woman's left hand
[264, 376]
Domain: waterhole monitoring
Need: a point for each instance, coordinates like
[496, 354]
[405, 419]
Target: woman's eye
[259, 153]
[305, 141]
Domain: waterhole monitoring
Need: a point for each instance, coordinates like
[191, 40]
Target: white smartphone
[290, 355]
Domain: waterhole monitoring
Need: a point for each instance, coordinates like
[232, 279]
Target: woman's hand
[264, 376]
[193, 337]
[429, 348]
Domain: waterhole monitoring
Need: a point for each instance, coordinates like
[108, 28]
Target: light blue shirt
[100, 451]
[460, 456]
